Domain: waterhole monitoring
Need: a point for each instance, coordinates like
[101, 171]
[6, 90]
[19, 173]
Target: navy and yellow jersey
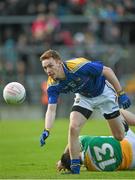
[82, 76]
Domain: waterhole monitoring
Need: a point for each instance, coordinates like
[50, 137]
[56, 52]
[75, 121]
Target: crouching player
[105, 153]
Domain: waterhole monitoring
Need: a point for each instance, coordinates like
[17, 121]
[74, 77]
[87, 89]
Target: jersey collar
[66, 70]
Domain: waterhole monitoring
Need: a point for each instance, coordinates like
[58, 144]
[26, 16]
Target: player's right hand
[43, 136]
[123, 100]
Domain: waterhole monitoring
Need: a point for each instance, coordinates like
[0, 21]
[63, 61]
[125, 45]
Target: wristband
[120, 93]
[46, 129]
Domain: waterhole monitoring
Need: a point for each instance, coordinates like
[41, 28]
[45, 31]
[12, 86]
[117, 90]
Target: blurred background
[94, 29]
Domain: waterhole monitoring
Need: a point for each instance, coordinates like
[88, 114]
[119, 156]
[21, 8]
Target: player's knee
[74, 130]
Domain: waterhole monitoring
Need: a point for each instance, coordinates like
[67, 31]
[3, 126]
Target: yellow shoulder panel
[51, 82]
[75, 64]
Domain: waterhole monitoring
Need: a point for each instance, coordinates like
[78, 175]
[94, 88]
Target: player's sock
[75, 166]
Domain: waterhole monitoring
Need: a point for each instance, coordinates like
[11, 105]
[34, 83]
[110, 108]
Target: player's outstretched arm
[49, 119]
[123, 99]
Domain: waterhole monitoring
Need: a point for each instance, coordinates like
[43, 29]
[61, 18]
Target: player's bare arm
[123, 100]
[111, 77]
[50, 116]
[49, 119]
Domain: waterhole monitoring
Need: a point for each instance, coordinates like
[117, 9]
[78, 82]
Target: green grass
[22, 157]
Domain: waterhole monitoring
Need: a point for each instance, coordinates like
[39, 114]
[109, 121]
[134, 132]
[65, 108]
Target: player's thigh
[111, 112]
[117, 127]
[116, 124]
[81, 111]
[84, 102]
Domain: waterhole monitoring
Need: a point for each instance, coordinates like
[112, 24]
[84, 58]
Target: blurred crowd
[47, 30]
[102, 8]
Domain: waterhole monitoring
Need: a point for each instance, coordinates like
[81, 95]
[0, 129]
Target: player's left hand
[44, 135]
[123, 100]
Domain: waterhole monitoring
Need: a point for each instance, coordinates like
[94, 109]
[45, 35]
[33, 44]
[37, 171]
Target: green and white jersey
[101, 153]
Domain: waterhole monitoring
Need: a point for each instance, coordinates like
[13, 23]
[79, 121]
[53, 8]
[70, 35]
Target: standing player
[92, 83]
[104, 153]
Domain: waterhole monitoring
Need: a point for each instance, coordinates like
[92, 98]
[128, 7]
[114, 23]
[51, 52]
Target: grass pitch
[21, 156]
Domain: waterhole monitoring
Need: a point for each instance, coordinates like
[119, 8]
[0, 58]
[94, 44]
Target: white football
[14, 93]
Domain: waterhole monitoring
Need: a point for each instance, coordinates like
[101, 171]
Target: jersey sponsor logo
[76, 86]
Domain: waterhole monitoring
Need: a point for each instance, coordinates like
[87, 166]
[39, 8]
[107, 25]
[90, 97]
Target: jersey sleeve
[83, 139]
[53, 95]
[92, 68]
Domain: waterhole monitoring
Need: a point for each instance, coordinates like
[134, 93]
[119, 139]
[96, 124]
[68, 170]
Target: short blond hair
[50, 53]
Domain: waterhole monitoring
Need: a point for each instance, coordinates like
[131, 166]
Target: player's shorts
[106, 102]
[131, 138]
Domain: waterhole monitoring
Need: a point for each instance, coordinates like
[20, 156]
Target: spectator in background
[41, 8]
[129, 6]
[49, 32]
[21, 69]
[9, 46]
[63, 37]
[53, 8]
[44, 27]
[53, 24]
[109, 12]
[120, 10]
[10, 72]
[77, 6]
[2, 72]
[92, 8]
[66, 7]
[111, 33]
[39, 28]
[2, 8]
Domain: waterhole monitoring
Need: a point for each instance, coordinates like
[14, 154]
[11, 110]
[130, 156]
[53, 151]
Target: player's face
[53, 68]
